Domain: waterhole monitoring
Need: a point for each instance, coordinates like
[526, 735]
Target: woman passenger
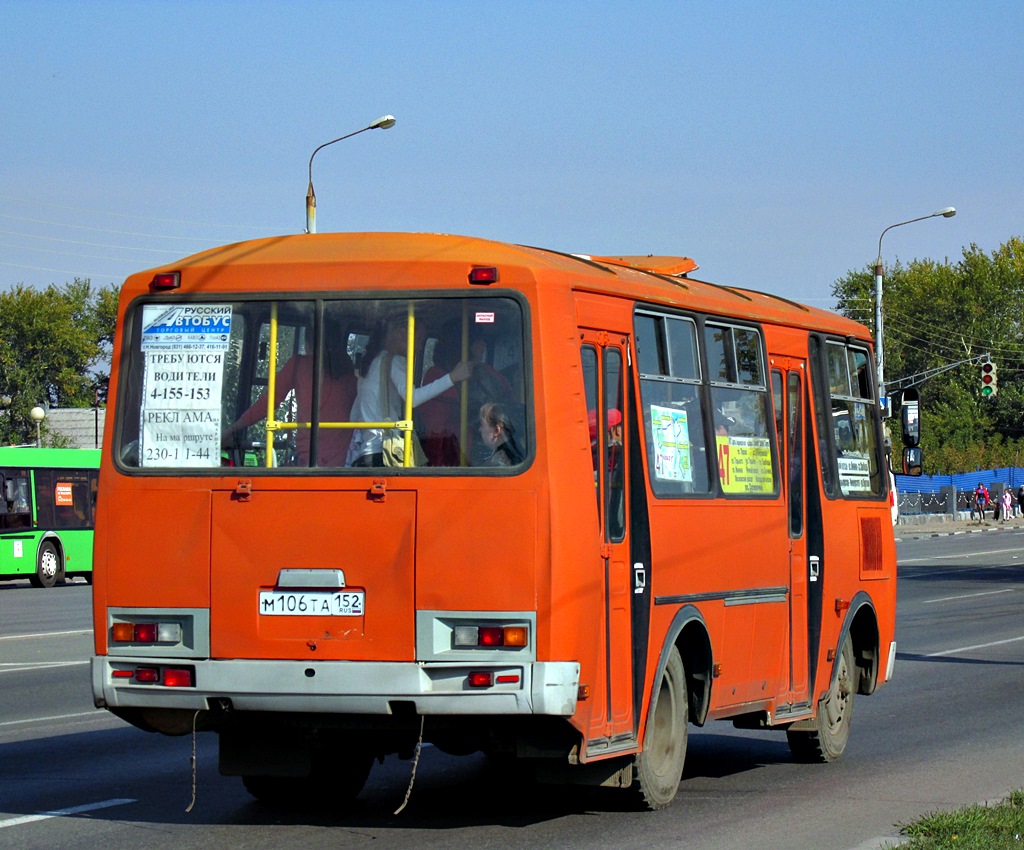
[367, 447]
[498, 436]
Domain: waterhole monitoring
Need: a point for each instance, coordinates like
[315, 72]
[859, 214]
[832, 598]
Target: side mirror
[912, 461]
[911, 414]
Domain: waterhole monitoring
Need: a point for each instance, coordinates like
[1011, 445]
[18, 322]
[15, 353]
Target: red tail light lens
[166, 280]
[481, 679]
[145, 632]
[492, 636]
[483, 275]
[175, 678]
[147, 675]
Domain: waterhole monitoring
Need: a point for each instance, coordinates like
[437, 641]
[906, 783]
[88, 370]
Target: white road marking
[929, 560]
[969, 595]
[47, 634]
[61, 813]
[21, 667]
[96, 713]
[969, 648]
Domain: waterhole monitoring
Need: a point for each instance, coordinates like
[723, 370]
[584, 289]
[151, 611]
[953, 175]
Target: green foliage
[940, 314]
[55, 348]
[995, 827]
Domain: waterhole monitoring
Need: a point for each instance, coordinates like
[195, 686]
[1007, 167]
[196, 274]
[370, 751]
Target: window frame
[821, 347]
[131, 369]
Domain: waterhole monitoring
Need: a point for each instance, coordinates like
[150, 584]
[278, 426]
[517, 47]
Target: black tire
[330, 784]
[827, 741]
[658, 769]
[49, 566]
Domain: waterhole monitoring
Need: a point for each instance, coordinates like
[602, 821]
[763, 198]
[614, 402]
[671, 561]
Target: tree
[937, 314]
[55, 349]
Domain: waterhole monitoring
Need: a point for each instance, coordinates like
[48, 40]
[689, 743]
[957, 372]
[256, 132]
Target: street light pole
[945, 212]
[37, 415]
[385, 122]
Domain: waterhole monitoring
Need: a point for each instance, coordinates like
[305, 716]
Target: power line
[98, 229]
[128, 215]
[76, 242]
[76, 273]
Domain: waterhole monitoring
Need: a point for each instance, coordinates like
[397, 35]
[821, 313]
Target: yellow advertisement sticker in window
[745, 464]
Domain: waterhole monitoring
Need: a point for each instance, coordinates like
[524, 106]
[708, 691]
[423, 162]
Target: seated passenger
[498, 436]
[337, 391]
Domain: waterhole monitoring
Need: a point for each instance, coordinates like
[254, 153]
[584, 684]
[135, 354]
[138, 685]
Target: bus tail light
[487, 678]
[483, 275]
[178, 677]
[146, 632]
[165, 280]
[169, 677]
[490, 636]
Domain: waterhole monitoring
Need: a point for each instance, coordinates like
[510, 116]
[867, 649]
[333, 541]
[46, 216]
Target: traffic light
[989, 380]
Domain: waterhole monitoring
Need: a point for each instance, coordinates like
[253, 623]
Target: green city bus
[47, 504]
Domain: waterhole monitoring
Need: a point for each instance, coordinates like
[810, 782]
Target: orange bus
[364, 491]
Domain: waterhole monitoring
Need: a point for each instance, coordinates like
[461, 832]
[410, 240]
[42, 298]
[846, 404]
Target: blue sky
[771, 142]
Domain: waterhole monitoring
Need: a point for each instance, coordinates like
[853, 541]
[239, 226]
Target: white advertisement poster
[184, 346]
[671, 434]
[854, 475]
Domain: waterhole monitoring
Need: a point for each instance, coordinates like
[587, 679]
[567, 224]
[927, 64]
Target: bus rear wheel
[49, 567]
[827, 740]
[658, 769]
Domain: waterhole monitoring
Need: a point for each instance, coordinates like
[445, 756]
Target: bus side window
[819, 395]
[672, 410]
[588, 356]
[847, 420]
[739, 397]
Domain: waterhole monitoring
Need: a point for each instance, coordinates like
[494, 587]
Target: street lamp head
[37, 414]
[946, 212]
[385, 122]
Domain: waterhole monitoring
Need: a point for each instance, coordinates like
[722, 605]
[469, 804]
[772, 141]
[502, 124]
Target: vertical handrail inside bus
[464, 389]
[410, 353]
[272, 385]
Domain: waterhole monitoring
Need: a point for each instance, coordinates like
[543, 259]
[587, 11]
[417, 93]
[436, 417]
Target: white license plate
[312, 603]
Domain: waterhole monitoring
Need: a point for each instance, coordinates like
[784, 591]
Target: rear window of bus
[196, 380]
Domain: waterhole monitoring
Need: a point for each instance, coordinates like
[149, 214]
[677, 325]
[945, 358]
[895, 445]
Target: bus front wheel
[658, 770]
[49, 567]
[827, 740]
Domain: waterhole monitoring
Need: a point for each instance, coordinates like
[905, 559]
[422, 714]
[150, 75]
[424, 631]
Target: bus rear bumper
[341, 687]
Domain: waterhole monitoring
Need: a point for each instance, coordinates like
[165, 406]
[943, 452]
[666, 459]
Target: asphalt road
[948, 731]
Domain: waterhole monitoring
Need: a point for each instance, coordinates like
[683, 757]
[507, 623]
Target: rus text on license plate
[313, 603]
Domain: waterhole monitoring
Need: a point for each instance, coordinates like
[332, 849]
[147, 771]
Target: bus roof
[26, 456]
[656, 279]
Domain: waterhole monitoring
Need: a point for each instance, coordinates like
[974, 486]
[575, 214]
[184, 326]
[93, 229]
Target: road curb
[916, 535]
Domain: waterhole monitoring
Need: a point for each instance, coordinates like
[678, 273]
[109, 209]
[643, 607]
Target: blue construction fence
[939, 494]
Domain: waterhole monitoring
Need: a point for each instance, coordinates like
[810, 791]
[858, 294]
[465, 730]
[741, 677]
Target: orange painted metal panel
[372, 542]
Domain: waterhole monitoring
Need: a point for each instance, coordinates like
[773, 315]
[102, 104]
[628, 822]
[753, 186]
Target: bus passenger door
[788, 387]
[604, 356]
